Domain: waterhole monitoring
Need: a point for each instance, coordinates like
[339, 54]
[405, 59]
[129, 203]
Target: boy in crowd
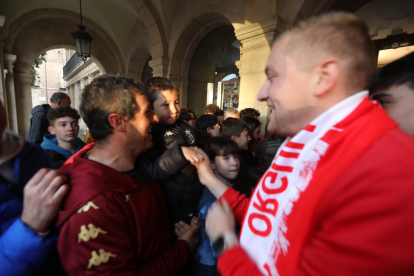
[249, 112]
[231, 112]
[220, 115]
[224, 155]
[183, 190]
[211, 109]
[393, 88]
[209, 123]
[188, 116]
[63, 141]
[238, 131]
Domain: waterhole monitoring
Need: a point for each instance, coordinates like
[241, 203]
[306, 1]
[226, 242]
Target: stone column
[10, 96]
[82, 126]
[72, 95]
[77, 95]
[256, 40]
[68, 92]
[23, 92]
[82, 84]
[159, 67]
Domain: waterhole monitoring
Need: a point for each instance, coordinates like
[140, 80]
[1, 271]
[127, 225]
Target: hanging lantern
[82, 40]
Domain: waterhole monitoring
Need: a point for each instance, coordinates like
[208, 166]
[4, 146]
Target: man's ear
[51, 129]
[234, 137]
[327, 73]
[209, 130]
[213, 166]
[117, 122]
[59, 103]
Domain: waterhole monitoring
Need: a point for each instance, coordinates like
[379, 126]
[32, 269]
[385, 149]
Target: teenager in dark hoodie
[63, 141]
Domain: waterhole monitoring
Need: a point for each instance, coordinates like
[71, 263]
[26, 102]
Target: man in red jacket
[338, 197]
[114, 220]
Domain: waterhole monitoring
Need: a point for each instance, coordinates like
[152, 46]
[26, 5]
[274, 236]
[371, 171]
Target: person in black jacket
[183, 190]
[39, 122]
[63, 140]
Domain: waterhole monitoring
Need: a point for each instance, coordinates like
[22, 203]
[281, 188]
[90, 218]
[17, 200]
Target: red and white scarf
[277, 222]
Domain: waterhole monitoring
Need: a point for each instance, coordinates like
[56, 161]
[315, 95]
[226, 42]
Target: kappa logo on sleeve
[87, 206]
[97, 260]
[85, 234]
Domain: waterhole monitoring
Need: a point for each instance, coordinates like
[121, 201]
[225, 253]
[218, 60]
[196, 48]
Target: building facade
[50, 77]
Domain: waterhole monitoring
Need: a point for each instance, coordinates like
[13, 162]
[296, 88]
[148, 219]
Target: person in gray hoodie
[63, 141]
[39, 123]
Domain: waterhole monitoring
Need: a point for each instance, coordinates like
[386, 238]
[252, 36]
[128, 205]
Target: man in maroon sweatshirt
[114, 220]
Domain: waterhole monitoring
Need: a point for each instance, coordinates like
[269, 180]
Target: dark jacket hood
[41, 108]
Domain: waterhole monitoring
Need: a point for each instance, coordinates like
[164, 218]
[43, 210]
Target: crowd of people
[156, 190]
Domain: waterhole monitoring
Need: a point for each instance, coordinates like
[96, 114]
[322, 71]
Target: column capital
[159, 66]
[238, 64]
[260, 34]
[24, 78]
[9, 59]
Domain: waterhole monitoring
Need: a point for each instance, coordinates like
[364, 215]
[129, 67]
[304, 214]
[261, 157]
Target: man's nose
[263, 93]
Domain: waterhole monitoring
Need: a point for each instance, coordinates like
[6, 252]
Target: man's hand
[191, 236]
[43, 195]
[220, 220]
[191, 155]
[181, 227]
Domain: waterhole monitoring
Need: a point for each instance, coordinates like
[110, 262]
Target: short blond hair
[335, 34]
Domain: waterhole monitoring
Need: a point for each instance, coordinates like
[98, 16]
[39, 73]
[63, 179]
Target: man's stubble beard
[136, 143]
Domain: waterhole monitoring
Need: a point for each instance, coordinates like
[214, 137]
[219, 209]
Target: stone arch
[35, 31]
[93, 58]
[137, 63]
[138, 51]
[195, 29]
[203, 14]
[154, 26]
[49, 27]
